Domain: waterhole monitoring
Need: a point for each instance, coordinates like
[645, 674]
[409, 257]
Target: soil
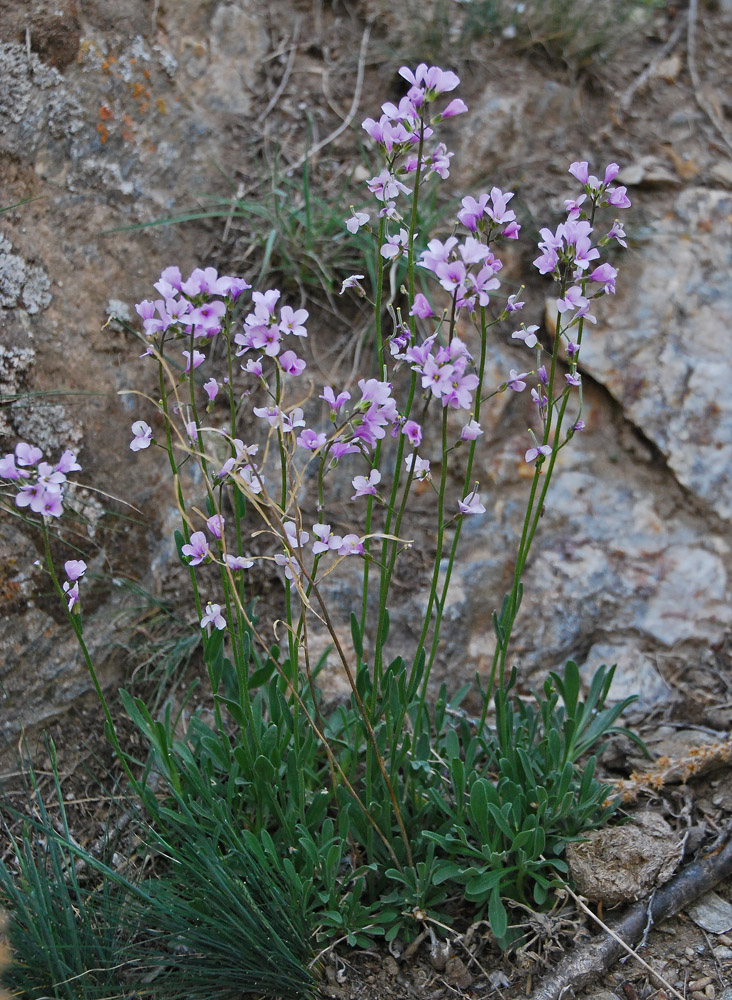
[644, 105]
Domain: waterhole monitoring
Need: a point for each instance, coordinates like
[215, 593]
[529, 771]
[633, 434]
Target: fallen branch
[584, 966]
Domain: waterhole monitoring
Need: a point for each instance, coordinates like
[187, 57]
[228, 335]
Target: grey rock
[661, 351]
[712, 913]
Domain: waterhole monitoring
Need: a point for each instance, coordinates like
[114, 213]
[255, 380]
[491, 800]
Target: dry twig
[591, 961]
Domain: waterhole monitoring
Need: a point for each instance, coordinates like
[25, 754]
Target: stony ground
[115, 115]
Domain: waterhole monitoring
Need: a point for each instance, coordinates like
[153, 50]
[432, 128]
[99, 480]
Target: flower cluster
[41, 486]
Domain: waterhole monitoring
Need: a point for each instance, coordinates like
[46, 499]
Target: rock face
[664, 353]
[107, 121]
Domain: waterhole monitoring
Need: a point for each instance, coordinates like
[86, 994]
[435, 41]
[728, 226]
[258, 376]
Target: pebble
[699, 984]
[722, 953]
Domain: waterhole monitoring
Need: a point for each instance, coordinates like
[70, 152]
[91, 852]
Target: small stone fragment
[456, 973]
[712, 914]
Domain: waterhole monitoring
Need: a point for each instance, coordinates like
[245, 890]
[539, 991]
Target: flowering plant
[380, 814]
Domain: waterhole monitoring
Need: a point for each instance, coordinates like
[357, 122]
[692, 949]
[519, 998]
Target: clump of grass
[575, 34]
[66, 937]
[209, 923]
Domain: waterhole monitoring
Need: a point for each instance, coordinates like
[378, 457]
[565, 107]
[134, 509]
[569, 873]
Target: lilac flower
[215, 525]
[292, 420]
[271, 414]
[191, 431]
[357, 220]
[414, 432]
[580, 170]
[353, 282]
[512, 305]
[351, 545]
[421, 467]
[432, 78]
[291, 363]
[451, 274]
[8, 469]
[254, 367]
[74, 569]
[605, 274]
[169, 283]
[470, 431]
[471, 504]
[72, 594]
[543, 376]
[311, 440]
[421, 307]
[213, 616]
[385, 186]
[574, 207]
[27, 454]
[333, 401]
[617, 232]
[579, 425]
[618, 197]
[292, 569]
[462, 385]
[197, 549]
[67, 463]
[211, 389]
[515, 380]
[198, 359]
[326, 540]
[396, 246]
[573, 378]
[437, 253]
[366, 487]
[455, 107]
[527, 334]
[142, 435]
[291, 321]
[340, 448]
[542, 449]
[294, 537]
[51, 505]
[236, 563]
[206, 318]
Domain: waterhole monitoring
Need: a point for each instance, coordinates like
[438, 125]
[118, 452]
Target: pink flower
[291, 321]
[542, 449]
[142, 436]
[311, 440]
[72, 594]
[213, 616]
[366, 487]
[67, 463]
[421, 307]
[74, 569]
[414, 432]
[471, 504]
[333, 401]
[357, 220]
[197, 549]
[236, 563]
[326, 540]
[215, 525]
[351, 545]
[353, 282]
[470, 431]
[527, 334]
[198, 359]
[211, 388]
[515, 380]
[291, 363]
[27, 454]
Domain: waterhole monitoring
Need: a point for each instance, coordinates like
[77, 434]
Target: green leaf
[356, 636]
[497, 914]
